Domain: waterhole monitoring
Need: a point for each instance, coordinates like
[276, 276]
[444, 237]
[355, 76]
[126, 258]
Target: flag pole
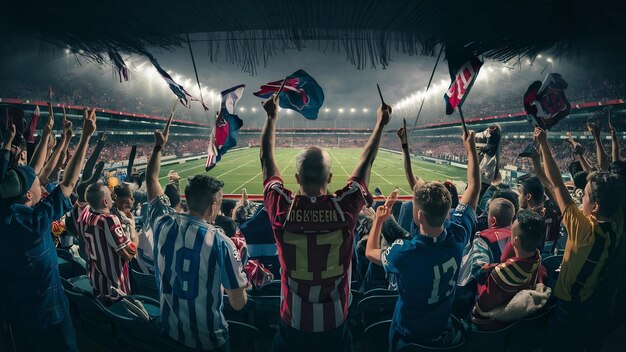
[169, 119]
[282, 86]
[419, 112]
[462, 119]
[380, 94]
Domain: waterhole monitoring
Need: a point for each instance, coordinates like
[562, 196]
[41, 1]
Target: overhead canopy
[247, 32]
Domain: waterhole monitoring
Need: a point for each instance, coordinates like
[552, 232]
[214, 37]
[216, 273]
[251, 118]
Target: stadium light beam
[549, 60]
[365, 109]
[340, 110]
[352, 110]
[326, 110]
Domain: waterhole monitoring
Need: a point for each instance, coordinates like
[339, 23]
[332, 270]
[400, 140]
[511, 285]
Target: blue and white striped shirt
[193, 260]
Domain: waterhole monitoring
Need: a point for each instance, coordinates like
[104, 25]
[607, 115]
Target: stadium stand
[120, 325]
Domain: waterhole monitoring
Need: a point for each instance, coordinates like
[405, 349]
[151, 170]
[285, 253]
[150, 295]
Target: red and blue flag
[545, 102]
[300, 93]
[227, 125]
[463, 73]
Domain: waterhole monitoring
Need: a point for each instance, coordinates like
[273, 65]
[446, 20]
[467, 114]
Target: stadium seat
[459, 324]
[271, 288]
[488, 341]
[245, 315]
[243, 337]
[553, 267]
[68, 265]
[90, 316]
[133, 333]
[380, 292]
[83, 283]
[143, 284]
[531, 332]
[376, 336]
[376, 308]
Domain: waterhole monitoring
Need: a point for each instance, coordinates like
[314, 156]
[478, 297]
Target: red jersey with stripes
[104, 238]
[315, 236]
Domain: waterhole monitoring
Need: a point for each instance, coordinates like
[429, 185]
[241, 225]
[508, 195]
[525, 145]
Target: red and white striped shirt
[315, 236]
[104, 238]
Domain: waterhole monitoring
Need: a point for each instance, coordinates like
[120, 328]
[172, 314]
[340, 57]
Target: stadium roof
[247, 32]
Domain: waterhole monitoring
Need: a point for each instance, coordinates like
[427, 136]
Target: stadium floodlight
[528, 61]
[549, 59]
[241, 108]
[289, 111]
[352, 110]
[365, 109]
[67, 50]
[340, 110]
[504, 70]
[253, 109]
[326, 110]
[81, 51]
[539, 56]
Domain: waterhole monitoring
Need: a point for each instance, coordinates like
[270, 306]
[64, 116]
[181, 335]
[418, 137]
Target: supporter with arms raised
[593, 234]
[426, 266]
[193, 260]
[314, 231]
[31, 295]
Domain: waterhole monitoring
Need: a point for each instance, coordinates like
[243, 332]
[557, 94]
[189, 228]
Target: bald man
[109, 247]
[314, 231]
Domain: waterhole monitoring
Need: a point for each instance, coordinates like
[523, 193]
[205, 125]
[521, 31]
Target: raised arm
[40, 154]
[53, 161]
[93, 158]
[614, 145]
[383, 212]
[268, 139]
[541, 175]
[603, 158]
[579, 151]
[154, 164]
[364, 166]
[472, 192]
[561, 194]
[5, 154]
[406, 157]
[72, 171]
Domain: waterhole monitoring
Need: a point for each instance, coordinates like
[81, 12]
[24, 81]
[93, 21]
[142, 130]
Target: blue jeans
[59, 337]
[290, 339]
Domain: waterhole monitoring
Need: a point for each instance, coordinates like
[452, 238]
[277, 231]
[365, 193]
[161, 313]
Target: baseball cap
[17, 182]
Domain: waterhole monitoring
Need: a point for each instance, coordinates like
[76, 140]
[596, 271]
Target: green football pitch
[241, 169]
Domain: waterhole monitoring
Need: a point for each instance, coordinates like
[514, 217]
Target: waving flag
[545, 102]
[32, 126]
[300, 93]
[225, 133]
[463, 72]
[183, 96]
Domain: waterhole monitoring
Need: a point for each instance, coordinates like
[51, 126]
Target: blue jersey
[193, 260]
[426, 270]
[31, 293]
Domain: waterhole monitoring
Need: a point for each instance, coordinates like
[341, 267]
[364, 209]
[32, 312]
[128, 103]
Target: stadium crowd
[451, 267]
